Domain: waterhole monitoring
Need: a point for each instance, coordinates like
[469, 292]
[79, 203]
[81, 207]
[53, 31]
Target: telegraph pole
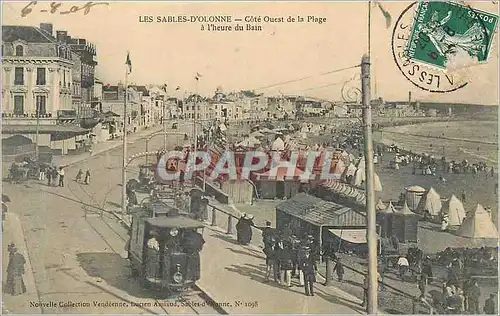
[371, 233]
[124, 174]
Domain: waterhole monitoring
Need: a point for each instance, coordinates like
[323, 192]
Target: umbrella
[5, 198]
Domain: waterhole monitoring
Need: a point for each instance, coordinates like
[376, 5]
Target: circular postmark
[434, 43]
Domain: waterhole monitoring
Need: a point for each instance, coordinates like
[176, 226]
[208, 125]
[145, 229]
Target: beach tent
[478, 224]
[384, 219]
[349, 171]
[430, 202]
[380, 205]
[405, 224]
[278, 144]
[339, 167]
[378, 184]
[455, 211]
[361, 163]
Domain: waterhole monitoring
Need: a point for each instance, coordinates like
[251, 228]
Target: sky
[173, 53]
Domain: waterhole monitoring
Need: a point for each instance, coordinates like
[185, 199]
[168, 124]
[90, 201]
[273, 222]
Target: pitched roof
[320, 212]
[143, 89]
[30, 34]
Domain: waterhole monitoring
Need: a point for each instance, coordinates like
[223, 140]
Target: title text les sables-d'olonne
[251, 22]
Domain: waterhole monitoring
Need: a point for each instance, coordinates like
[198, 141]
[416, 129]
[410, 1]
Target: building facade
[38, 78]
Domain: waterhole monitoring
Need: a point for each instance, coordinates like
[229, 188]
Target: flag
[164, 88]
[198, 76]
[178, 88]
[128, 62]
[387, 16]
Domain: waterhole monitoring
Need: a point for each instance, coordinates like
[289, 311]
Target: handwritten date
[54, 8]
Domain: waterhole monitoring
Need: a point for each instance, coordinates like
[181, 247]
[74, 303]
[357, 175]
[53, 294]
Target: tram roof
[174, 222]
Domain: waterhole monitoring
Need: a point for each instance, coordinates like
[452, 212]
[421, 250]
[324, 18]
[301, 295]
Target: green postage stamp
[443, 31]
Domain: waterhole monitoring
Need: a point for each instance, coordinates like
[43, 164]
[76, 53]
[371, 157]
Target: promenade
[234, 275]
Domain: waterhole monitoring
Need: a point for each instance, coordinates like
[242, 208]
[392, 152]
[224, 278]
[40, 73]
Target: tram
[164, 247]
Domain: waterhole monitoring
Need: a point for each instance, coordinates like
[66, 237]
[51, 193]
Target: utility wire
[322, 86]
[308, 77]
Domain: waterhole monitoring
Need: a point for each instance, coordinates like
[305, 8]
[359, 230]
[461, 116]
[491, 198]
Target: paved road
[77, 253]
[77, 256]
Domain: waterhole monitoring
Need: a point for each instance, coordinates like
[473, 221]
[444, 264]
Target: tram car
[164, 248]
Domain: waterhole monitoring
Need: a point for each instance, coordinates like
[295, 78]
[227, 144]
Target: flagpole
[194, 121]
[124, 175]
[369, 27]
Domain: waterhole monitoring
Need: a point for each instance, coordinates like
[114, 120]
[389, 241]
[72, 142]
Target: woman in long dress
[15, 270]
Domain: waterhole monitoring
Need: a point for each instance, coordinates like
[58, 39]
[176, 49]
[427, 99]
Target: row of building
[51, 73]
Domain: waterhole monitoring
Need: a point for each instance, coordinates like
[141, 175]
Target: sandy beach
[472, 140]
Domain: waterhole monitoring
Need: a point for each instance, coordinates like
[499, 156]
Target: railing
[212, 190]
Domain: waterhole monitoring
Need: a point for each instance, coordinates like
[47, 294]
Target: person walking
[41, 174]
[61, 176]
[403, 266]
[55, 174]
[339, 268]
[79, 176]
[14, 284]
[270, 252]
[87, 176]
[308, 267]
[49, 176]
[285, 258]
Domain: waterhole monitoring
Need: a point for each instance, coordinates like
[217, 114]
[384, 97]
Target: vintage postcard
[263, 157]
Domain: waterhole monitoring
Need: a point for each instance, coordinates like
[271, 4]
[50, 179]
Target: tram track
[200, 304]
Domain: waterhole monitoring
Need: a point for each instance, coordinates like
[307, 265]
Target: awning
[355, 236]
[43, 129]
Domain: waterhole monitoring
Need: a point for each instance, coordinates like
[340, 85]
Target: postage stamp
[443, 32]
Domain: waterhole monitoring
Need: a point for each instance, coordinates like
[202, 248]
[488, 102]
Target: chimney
[47, 27]
[409, 98]
[61, 36]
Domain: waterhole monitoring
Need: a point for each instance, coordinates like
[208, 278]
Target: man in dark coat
[427, 269]
[271, 265]
[339, 268]
[267, 234]
[489, 304]
[246, 230]
[239, 228]
[192, 243]
[15, 270]
[308, 267]
[285, 258]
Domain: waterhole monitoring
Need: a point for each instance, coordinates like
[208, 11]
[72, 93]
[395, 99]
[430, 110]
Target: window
[41, 102]
[19, 76]
[19, 104]
[19, 50]
[40, 76]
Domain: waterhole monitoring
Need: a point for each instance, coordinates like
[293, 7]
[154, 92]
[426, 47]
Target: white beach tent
[430, 202]
[278, 144]
[339, 167]
[360, 178]
[380, 205]
[455, 211]
[349, 171]
[478, 224]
